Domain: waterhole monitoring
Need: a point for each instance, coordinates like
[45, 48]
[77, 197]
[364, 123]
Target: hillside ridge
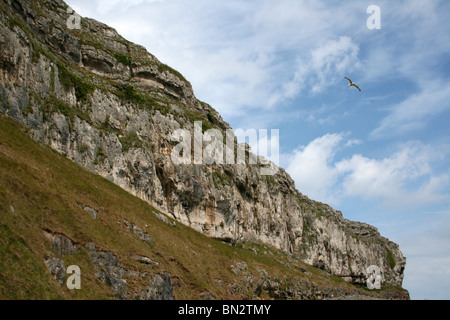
[54, 214]
[112, 107]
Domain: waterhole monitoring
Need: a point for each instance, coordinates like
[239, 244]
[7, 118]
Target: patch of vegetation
[68, 79]
[86, 39]
[206, 126]
[106, 125]
[53, 104]
[129, 141]
[194, 116]
[123, 59]
[17, 282]
[163, 68]
[211, 118]
[100, 157]
[162, 108]
[129, 94]
[39, 51]
[390, 258]
[271, 180]
[14, 22]
[82, 148]
[28, 110]
[220, 179]
[35, 56]
[308, 229]
[52, 80]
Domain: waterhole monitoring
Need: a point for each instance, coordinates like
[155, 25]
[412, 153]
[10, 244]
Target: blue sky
[380, 155]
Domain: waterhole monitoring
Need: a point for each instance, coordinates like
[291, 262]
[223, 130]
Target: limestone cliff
[112, 107]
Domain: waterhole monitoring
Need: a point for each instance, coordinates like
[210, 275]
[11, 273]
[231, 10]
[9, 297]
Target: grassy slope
[46, 190]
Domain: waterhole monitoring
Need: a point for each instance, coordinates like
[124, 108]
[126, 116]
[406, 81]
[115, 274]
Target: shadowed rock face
[160, 288]
[112, 107]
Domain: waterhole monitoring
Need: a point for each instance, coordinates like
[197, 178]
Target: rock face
[160, 288]
[107, 265]
[112, 107]
[108, 270]
[294, 288]
[57, 269]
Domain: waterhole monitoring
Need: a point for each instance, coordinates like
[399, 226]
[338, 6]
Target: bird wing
[351, 82]
[354, 85]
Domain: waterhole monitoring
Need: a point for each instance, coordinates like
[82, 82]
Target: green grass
[82, 148]
[390, 258]
[106, 126]
[123, 59]
[220, 179]
[101, 156]
[52, 80]
[14, 22]
[52, 105]
[194, 116]
[28, 110]
[22, 273]
[130, 141]
[35, 56]
[211, 118]
[68, 79]
[127, 93]
[163, 68]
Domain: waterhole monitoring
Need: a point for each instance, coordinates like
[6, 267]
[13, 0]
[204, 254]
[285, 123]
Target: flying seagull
[352, 84]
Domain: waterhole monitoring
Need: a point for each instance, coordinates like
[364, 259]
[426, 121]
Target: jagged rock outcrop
[160, 288]
[61, 244]
[112, 107]
[250, 285]
[108, 269]
[57, 268]
[137, 231]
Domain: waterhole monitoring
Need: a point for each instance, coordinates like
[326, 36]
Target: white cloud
[106, 6]
[401, 180]
[312, 168]
[413, 113]
[322, 67]
[389, 179]
[333, 60]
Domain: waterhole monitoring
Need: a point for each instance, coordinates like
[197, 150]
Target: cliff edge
[112, 107]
